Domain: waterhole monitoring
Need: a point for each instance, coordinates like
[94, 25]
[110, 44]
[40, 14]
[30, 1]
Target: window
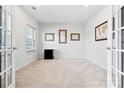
[30, 42]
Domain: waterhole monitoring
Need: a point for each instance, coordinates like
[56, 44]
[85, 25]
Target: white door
[7, 66]
[116, 47]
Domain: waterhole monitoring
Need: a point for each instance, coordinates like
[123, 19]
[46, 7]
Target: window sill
[30, 50]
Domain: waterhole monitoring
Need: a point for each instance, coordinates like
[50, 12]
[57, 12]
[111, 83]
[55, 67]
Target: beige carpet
[61, 74]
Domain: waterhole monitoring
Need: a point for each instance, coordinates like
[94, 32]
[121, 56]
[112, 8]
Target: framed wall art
[101, 31]
[75, 36]
[49, 37]
[62, 36]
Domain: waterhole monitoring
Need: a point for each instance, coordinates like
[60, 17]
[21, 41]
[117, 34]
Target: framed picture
[75, 36]
[62, 36]
[49, 37]
[101, 31]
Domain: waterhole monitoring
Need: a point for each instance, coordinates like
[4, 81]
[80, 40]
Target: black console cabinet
[48, 54]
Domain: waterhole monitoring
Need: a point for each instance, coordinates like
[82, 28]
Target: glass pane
[120, 81]
[8, 21]
[0, 15]
[9, 77]
[3, 39]
[121, 68]
[113, 58]
[119, 18]
[113, 23]
[2, 31]
[9, 40]
[2, 61]
[114, 77]
[113, 41]
[122, 16]
[9, 58]
[121, 61]
[34, 34]
[121, 39]
[3, 81]
[3, 18]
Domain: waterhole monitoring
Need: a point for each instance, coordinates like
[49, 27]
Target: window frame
[30, 37]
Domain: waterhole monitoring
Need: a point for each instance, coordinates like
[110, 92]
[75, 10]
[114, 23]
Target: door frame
[114, 12]
[7, 26]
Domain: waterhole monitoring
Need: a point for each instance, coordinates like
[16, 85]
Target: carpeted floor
[61, 74]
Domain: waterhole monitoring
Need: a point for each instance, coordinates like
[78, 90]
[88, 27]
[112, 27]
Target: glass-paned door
[6, 51]
[116, 70]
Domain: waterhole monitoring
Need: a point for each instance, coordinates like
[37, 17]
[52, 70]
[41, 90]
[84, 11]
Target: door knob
[108, 48]
[14, 48]
[113, 47]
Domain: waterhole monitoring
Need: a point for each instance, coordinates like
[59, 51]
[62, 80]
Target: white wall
[95, 51]
[73, 49]
[21, 20]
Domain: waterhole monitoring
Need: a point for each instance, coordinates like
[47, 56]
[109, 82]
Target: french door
[116, 49]
[7, 69]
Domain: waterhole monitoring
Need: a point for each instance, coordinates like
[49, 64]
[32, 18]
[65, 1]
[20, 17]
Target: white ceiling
[62, 13]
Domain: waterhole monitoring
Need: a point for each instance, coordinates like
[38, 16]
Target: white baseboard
[97, 64]
[64, 59]
[24, 65]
